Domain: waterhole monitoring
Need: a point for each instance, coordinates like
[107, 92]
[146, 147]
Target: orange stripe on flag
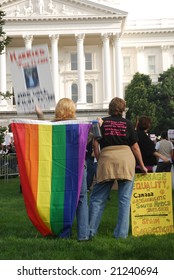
[32, 157]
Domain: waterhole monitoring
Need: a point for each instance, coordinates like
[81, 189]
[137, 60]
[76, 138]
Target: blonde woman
[66, 110]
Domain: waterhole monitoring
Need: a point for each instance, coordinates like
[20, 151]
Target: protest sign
[171, 134]
[31, 78]
[151, 205]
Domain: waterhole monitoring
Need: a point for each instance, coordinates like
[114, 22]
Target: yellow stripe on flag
[44, 173]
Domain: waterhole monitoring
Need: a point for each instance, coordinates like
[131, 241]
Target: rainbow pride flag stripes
[51, 159]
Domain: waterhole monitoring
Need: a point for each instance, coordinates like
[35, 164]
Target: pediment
[32, 9]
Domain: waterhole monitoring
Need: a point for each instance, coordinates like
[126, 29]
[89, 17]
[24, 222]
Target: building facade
[94, 49]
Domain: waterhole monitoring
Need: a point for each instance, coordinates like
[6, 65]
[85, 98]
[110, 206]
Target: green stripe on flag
[58, 177]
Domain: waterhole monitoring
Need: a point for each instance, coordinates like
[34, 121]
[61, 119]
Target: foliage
[4, 40]
[156, 101]
[2, 135]
[139, 98]
[6, 95]
[19, 240]
[165, 99]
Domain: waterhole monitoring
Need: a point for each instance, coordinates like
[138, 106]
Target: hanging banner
[151, 205]
[51, 157]
[31, 76]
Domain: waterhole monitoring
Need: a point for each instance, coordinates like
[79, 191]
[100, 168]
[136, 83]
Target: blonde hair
[65, 110]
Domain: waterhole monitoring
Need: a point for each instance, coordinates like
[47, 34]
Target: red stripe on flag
[21, 139]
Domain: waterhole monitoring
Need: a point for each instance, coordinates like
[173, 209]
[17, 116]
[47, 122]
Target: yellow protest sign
[151, 204]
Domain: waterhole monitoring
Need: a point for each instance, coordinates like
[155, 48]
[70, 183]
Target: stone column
[3, 79]
[106, 70]
[140, 60]
[55, 65]
[118, 67]
[166, 63]
[28, 39]
[81, 70]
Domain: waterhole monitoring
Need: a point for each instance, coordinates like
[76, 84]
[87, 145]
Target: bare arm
[137, 153]
[158, 155]
[39, 113]
[96, 149]
[100, 121]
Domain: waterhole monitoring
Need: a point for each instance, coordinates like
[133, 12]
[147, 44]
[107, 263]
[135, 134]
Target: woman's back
[147, 148]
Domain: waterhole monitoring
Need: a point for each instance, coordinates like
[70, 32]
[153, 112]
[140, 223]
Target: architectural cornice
[155, 31]
[61, 15]
[57, 18]
[83, 5]
[149, 26]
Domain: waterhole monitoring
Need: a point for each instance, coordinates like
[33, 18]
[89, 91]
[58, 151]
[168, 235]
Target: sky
[143, 9]
[150, 9]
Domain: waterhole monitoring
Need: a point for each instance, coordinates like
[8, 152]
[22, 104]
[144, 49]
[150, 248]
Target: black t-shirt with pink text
[117, 130]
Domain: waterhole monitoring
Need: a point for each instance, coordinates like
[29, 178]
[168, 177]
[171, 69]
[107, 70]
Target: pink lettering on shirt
[114, 128]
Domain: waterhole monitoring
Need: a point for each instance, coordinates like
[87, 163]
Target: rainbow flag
[51, 159]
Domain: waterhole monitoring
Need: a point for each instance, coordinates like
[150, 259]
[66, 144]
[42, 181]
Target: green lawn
[19, 240]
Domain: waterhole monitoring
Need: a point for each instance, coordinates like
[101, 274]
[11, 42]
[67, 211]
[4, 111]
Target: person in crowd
[8, 138]
[66, 110]
[116, 161]
[91, 164]
[11, 149]
[165, 148]
[147, 146]
[3, 150]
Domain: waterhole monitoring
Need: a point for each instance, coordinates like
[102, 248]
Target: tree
[4, 40]
[139, 96]
[2, 130]
[155, 101]
[165, 99]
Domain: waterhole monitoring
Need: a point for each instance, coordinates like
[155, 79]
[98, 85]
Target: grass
[19, 240]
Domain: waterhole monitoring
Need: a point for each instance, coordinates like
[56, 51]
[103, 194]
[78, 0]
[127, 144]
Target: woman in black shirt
[147, 146]
[116, 161]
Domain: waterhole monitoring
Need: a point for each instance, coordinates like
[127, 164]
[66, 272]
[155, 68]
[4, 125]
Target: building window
[151, 64]
[88, 61]
[89, 93]
[73, 61]
[126, 65]
[74, 92]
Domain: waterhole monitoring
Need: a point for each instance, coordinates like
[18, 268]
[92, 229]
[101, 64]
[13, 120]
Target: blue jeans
[82, 212]
[98, 199]
[91, 171]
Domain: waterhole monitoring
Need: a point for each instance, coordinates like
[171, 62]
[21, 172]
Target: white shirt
[164, 147]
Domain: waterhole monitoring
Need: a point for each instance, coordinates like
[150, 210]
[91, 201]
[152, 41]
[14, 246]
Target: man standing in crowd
[164, 147]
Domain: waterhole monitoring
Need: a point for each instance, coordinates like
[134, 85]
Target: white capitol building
[95, 48]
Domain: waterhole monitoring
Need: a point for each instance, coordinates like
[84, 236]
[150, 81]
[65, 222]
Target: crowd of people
[122, 151]
[7, 146]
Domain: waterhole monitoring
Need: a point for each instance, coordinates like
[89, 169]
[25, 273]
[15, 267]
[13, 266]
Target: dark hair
[164, 135]
[144, 123]
[117, 106]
